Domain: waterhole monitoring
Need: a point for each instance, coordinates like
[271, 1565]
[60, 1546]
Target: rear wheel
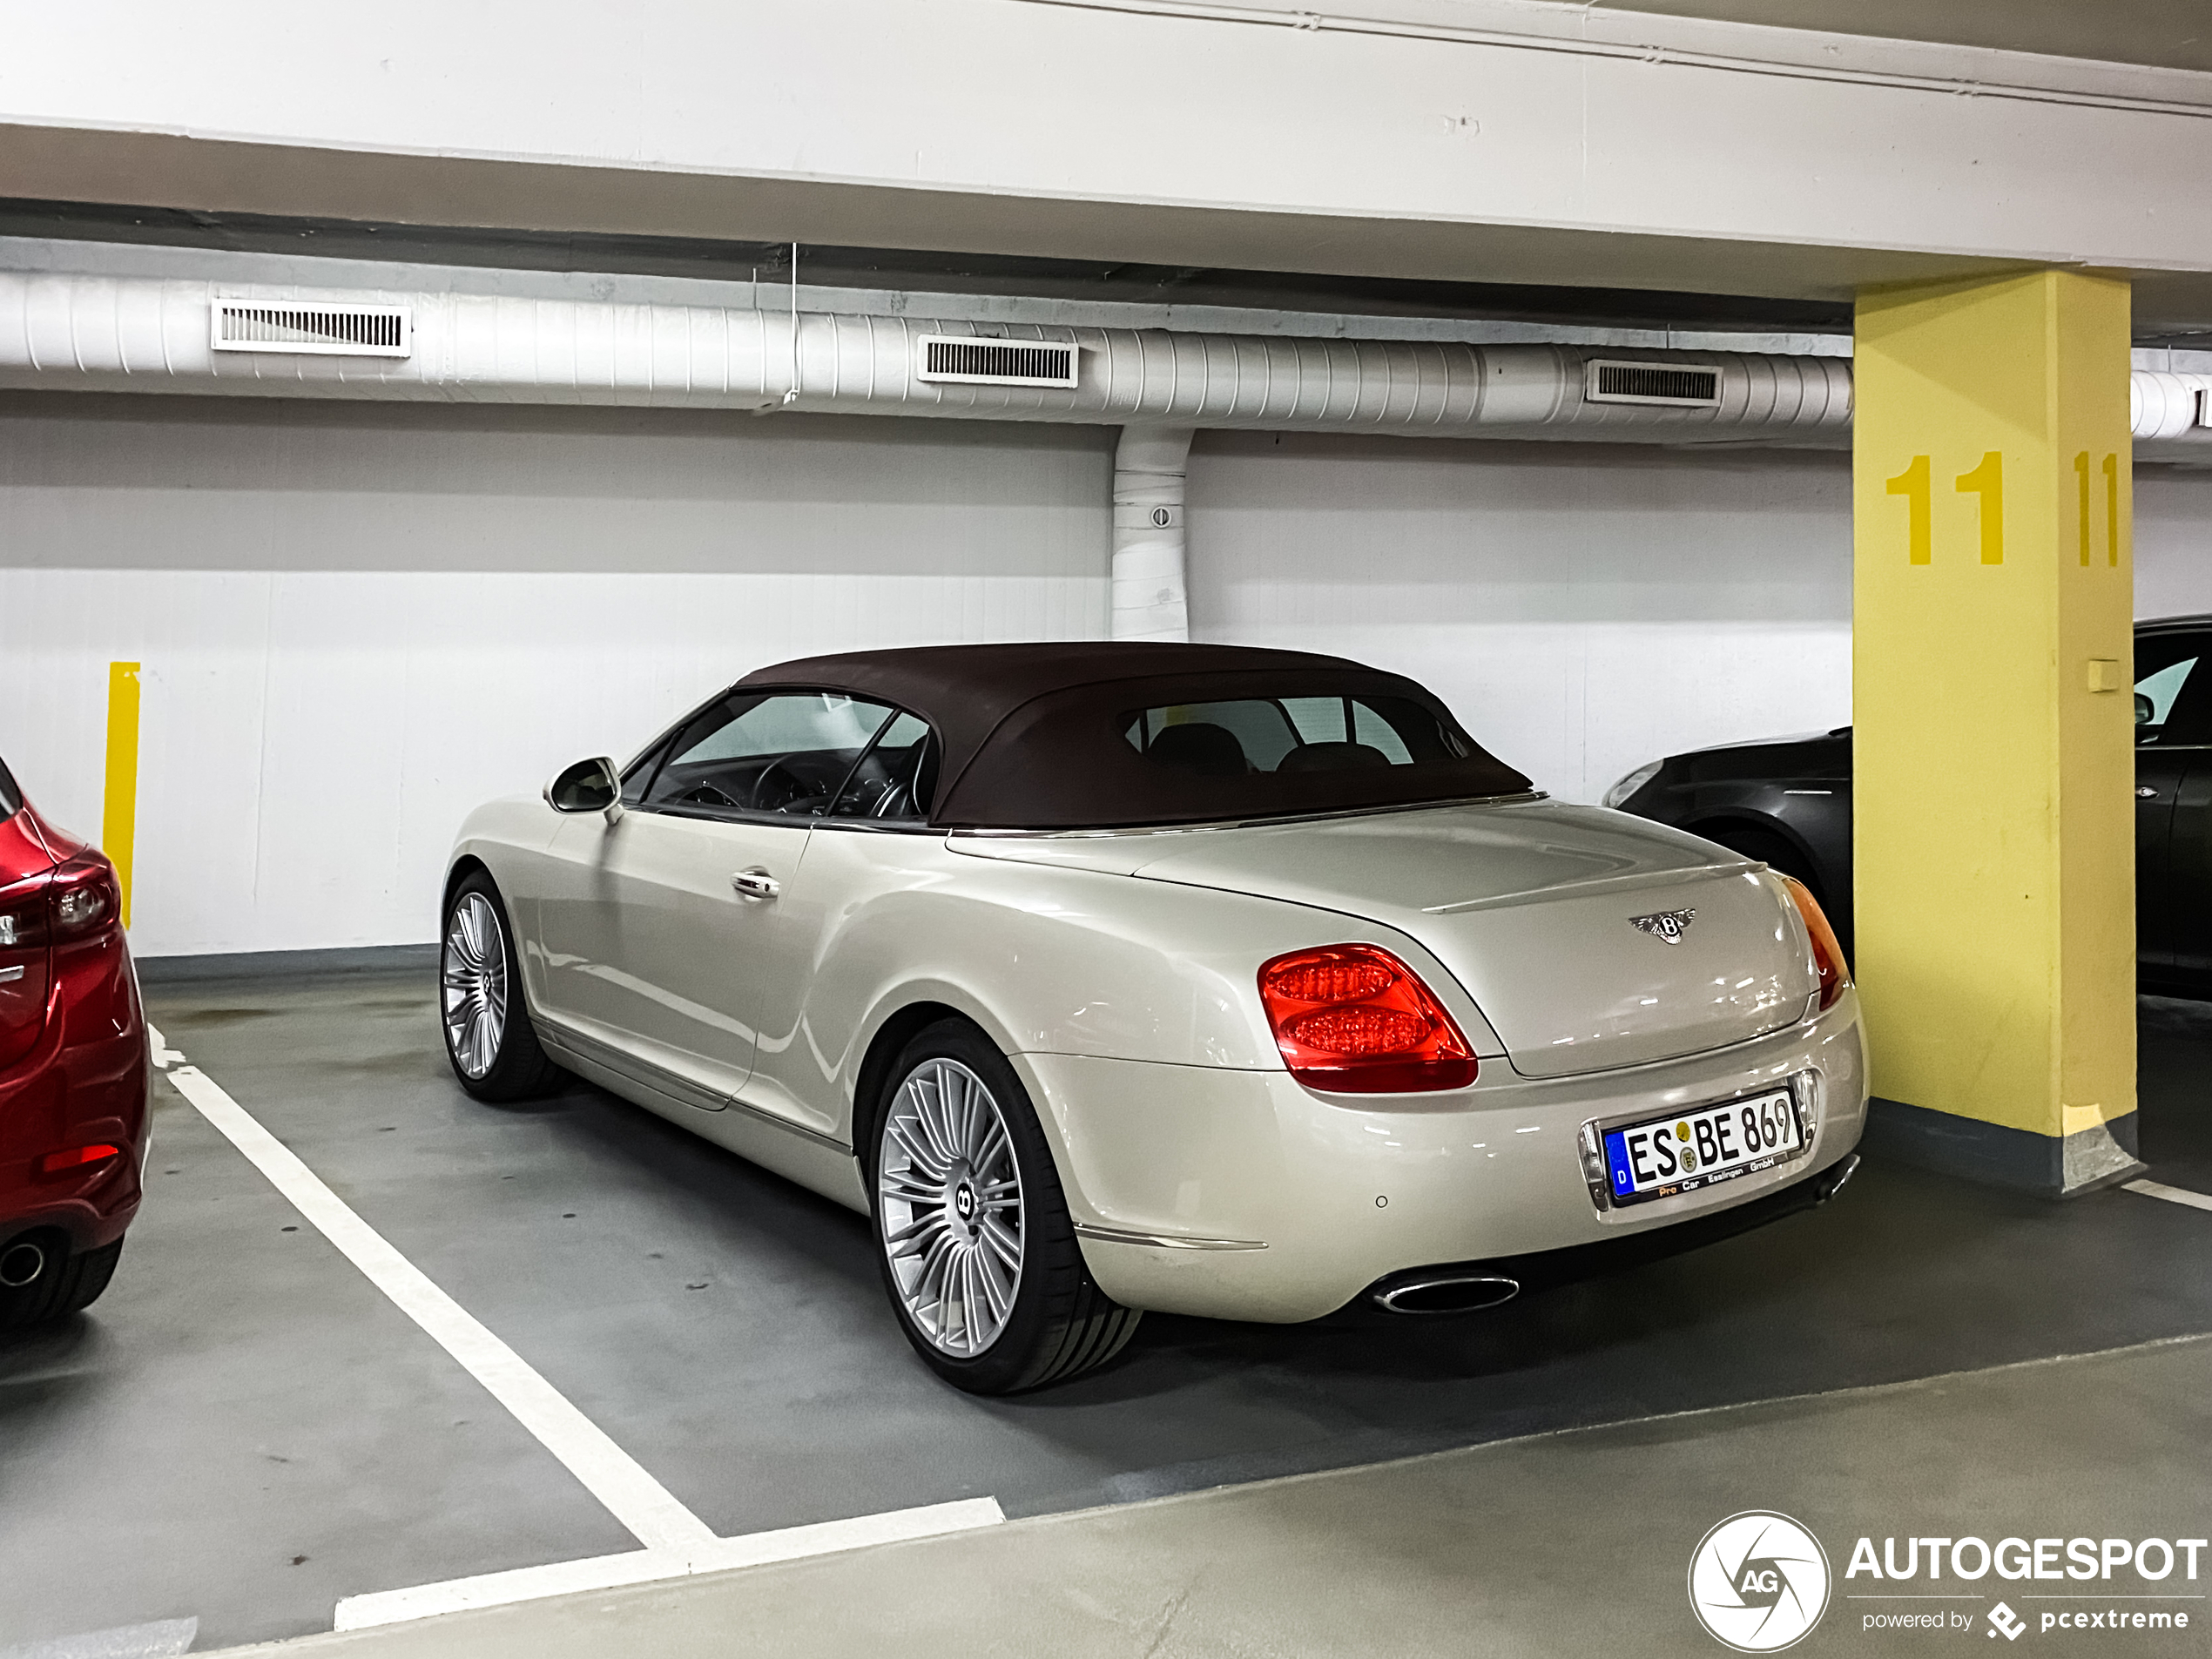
[973, 1234]
[41, 1280]
[493, 1050]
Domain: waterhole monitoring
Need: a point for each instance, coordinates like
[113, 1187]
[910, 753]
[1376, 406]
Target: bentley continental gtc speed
[1105, 977]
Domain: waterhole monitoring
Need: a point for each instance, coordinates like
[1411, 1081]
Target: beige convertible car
[1106, 977]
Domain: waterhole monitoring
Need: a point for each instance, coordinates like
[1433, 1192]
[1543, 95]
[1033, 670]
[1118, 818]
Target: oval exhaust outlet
[20, 1265]
[1453, 1293]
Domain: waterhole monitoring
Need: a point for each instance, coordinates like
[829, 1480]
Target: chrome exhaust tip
[20, 1265]
[1838, 1178]
[1448, 1293]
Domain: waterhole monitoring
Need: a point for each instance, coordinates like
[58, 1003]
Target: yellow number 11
[2112, 506]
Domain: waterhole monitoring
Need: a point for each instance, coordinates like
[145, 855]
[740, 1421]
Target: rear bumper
[1242, 1194]
[87, 1081]
[1546, 1269]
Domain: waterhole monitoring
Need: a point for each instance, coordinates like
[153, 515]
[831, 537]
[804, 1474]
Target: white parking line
[2171, 1194]
[644, 1565]
[677, 1542]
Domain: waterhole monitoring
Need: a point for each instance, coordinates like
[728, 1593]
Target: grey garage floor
[244, 1430]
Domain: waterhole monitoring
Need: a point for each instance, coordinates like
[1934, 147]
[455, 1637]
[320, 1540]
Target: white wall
[2173, 541]
[1583, 608]
[357, 621]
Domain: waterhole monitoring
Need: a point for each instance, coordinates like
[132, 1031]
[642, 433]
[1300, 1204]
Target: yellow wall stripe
[120, 817]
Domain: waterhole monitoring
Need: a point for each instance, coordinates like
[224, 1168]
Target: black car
[1787, 802]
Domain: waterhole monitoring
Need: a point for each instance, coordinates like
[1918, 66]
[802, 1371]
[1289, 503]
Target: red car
[74, 1069]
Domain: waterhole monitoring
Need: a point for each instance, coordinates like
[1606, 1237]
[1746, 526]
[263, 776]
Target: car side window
[2173, 693]
[894, 781]
[784, 752]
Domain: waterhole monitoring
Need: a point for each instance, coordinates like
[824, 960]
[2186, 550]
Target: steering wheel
[790, 791]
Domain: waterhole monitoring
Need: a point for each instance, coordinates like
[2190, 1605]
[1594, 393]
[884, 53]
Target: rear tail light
[83, 900]
[72, 1158]
[1827, 955]
[1352, 1019]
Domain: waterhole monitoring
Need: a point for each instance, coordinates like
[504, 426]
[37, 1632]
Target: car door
[666, 934]
[2174, 804]
[853, 853]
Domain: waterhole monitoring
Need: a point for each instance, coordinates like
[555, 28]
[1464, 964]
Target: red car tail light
[83, 898]
[1352, 1019]
[1827, 955]
[76, 1157]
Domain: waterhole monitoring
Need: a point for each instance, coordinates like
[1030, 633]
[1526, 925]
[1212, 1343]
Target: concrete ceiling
[2165, 34]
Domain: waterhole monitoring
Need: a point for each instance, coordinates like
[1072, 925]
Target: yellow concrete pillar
[1992, 742]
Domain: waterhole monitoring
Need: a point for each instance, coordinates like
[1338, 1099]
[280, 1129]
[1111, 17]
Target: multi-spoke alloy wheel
[949, 1205]
[978, 1250]
[472, 978]
[488, 1037]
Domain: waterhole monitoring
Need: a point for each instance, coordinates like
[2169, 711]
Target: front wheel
[489, 1038]
[973, 1233]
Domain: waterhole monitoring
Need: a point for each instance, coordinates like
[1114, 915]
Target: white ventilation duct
[2165, 406]
[148, 334]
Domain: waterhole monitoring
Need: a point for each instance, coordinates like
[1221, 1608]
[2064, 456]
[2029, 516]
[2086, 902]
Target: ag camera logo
[1758, 1581]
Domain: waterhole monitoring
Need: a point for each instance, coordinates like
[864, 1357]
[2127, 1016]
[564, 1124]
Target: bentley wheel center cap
[964, 1203]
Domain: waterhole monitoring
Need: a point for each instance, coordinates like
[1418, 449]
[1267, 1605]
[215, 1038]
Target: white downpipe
[1149, 465]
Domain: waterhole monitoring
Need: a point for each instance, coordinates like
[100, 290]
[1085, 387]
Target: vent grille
[996, 363]
[327, 331]
[1674, 385]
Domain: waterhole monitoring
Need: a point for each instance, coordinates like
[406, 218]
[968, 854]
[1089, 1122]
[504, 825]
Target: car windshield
[11, 797]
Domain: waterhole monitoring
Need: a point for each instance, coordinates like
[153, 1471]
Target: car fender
[1071, 961]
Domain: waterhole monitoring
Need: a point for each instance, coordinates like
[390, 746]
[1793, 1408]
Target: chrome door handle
[2144, 793]
[755, 884]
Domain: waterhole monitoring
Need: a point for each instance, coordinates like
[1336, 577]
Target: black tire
[63, 1284]
[1060, 1324]
[511, 1065]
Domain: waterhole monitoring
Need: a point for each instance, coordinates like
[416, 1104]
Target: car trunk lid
[1588, 940]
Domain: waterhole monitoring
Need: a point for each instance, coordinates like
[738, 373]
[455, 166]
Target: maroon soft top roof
[1032, 733]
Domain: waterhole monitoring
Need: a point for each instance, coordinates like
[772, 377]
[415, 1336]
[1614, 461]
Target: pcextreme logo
[1758, 1581]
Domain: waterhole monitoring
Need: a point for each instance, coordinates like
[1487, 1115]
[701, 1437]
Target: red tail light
[1827, 955]
[1352, 1019]
[83, 900]
[76, 1157]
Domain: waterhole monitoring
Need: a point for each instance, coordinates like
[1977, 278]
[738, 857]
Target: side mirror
[588, 787]
[2144, 709]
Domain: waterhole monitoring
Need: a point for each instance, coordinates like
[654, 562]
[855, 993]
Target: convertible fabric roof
[1031, 740]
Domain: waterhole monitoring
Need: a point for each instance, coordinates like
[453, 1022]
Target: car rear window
[1292, 734]
[1220, 747]
[11, 797]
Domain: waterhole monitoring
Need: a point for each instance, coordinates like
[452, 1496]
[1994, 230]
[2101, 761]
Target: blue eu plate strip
[1616, 1159]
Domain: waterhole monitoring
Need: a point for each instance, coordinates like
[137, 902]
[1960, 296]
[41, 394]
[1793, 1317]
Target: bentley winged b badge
[1670, 925]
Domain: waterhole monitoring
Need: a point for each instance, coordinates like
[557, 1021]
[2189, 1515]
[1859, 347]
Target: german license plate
[1702, 1147]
